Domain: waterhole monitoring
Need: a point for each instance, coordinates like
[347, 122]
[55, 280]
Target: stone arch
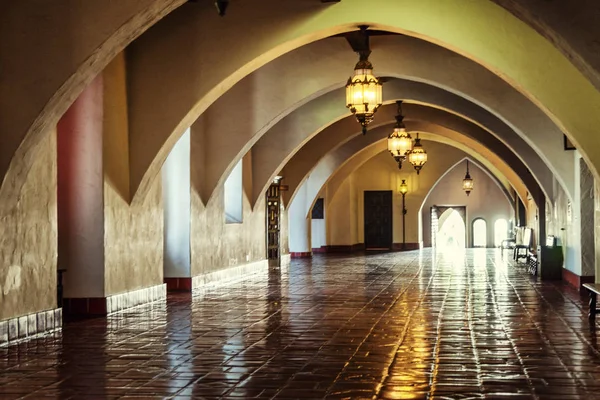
[482, 167]
[311, 122]
[420, 26]
[360, 150]
[331, 20]
[283, 99]
[516, 173]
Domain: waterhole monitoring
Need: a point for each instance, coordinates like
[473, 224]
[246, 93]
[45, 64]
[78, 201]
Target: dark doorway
[378, 220]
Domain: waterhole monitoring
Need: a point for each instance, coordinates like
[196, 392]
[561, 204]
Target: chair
[522, 249]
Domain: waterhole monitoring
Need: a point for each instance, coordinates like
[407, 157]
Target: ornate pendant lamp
[399, 142]
[468, 181]
[363, 90]
[417, 156]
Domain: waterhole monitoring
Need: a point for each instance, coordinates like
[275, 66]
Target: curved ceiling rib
[272, 92]
[339, 164]
[444, 123]
[485, 170]
[317, 176]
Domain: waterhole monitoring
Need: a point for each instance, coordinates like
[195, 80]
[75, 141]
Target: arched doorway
[479, 233]
[500, 231]
[451, 231]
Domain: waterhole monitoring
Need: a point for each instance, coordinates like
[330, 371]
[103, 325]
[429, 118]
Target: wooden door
[378, 220]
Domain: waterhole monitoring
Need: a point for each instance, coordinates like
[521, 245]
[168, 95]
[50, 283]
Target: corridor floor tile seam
[547, 340]
[387, 370]
[392, 305]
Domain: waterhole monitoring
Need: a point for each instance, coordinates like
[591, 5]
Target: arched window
[479, 233]
[500, 231]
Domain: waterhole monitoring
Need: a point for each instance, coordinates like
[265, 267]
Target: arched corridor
[200, 182]
[386, 326]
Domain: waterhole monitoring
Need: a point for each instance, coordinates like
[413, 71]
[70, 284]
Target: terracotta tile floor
[395, 326]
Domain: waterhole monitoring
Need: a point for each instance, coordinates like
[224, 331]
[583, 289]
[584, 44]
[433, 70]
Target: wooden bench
[594, 290]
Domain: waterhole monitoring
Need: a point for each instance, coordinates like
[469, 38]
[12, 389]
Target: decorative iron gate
[273, 221]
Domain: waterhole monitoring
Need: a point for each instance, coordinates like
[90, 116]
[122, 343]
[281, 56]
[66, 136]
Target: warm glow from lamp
[467, 181]
[403, 187]
[399, 143]
[418, 156]
[363, 93]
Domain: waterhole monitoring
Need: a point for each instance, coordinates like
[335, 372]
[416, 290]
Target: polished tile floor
[393, 326]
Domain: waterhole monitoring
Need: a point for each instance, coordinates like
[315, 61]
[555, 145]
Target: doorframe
[391, 219]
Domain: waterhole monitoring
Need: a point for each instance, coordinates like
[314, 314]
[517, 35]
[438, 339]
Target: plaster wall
[485, 201]
[133, 241]
[28, 237]
[341, 219]
[176, 202]
[300, 223]
[317, 233]
[214, 244]
[559, 224]
[133, 233]
[284, 233]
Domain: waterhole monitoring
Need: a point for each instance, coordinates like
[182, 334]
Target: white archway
[451, 232]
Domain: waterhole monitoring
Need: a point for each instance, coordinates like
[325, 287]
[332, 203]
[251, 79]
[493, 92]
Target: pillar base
[101, 306]
[300, 254]
[179, 284]
[575, 280]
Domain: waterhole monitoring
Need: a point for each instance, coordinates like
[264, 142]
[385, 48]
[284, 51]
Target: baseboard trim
[300, 254]
[341, 248]
[229, 275]
[575, 280]
[347, 248]
[408, 246]
[101, 306]
[26, 327]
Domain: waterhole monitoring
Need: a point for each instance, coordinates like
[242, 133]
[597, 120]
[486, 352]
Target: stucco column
[176, 201]
[80, 195]
[597, 228]
[573, 219]
[299, 225]
[586, 195]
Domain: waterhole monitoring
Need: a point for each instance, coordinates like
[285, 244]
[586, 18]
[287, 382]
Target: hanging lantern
[417, 156]
[399, 142]
[468, 181]
[363, 90]
[403, 187]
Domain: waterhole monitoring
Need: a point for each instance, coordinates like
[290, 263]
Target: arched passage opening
[479, 232]
[451, 231]
[500, 231]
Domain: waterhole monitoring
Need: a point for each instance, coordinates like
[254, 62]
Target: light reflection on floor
[419, 324]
